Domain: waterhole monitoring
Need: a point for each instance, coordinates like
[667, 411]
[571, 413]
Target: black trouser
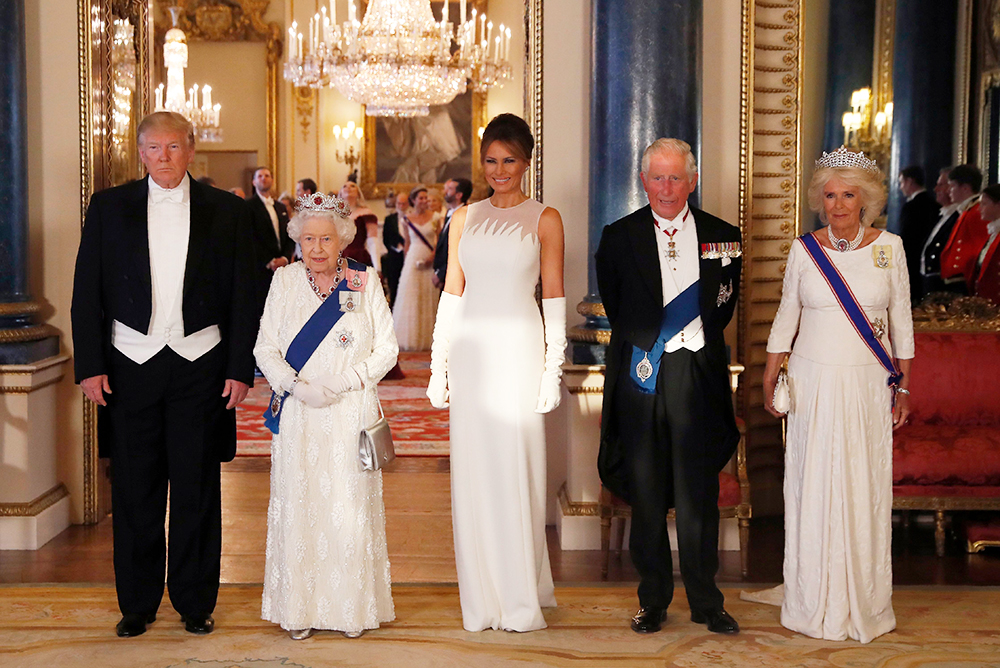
[672, 464]
[165, 416]
[392, 269]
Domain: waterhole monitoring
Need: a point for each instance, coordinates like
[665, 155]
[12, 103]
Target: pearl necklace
[336, 279]
[843, 245]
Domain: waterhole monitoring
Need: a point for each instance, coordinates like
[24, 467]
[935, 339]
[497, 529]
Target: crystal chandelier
[399, 61]
[205, 118]
[867, 129]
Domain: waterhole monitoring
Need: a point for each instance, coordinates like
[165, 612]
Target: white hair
[344, 227]
[672, 146]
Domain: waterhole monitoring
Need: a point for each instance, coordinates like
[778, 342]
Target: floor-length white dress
[417, 298]
[838, 456]
[327, 565]
[495, 365]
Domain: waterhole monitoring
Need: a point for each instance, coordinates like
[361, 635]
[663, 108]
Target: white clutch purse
[782, 399]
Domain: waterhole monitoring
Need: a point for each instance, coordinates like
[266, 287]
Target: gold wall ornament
[948, 312]
[305, 101]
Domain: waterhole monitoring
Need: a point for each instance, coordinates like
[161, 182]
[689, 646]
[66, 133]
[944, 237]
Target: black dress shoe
[648, 620]
[719, 621]
[198, 624]
[133, 624]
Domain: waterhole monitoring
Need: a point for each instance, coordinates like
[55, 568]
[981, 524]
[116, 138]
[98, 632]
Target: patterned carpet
[67, 626]
[417, 427]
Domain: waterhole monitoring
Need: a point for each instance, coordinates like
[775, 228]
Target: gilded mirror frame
[107, 154]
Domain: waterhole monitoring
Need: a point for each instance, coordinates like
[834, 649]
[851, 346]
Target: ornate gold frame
[93, 20]
[533, 81]
[233, 21]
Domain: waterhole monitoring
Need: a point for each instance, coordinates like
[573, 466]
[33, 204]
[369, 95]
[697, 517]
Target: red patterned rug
[417, 427]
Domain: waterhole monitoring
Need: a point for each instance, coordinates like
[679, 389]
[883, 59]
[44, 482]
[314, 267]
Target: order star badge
[725, 292]
[644, 369]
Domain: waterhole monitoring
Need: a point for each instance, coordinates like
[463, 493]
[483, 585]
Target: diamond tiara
[321, 202]
[844, 158]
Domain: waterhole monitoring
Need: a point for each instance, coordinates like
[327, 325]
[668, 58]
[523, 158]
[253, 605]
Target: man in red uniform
[958, 260]
[988, 262]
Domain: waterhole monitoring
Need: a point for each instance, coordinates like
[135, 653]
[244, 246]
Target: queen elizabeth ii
[325, 341]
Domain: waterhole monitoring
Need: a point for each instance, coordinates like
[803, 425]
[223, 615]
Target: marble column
[22, 341]
[645, 84]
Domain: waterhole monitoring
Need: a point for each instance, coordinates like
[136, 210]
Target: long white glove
[437, 388]
[550, 389]
[311, 395]
[334, 384]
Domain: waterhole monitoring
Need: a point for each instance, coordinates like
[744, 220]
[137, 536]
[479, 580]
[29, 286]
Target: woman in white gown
[838, 455]
[416, 298]
[327, 565]
[502, 371]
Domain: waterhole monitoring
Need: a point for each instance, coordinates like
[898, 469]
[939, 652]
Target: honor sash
[849, 303]
[413, 228]
[305, 343]
[677, 315]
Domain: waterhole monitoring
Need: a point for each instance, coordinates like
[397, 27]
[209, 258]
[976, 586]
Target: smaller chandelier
[204, 118]
[866, 129]
[399, 61]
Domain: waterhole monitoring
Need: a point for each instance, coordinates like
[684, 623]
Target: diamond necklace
[843, 245]
[336, 279]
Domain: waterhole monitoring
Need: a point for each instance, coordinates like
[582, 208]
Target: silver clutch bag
[375, 447]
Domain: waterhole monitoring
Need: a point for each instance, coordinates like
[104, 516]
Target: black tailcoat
[628, 277]
[916, 220]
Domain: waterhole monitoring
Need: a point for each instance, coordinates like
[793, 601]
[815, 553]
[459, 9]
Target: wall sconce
[868, 132]
[345, 138]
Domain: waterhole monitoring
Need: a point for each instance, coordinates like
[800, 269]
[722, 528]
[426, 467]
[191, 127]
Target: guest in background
[958, 260]
[456, 195]
[206, 181]
[327, 565]
[286, 199]
[305, 187]
[365, 223]
[930, 255]
[987, 281]
[392, 261]
[239, 192]
[416, 302]
[916, 220]
[838, 454]
[436, 201]
[272, 247]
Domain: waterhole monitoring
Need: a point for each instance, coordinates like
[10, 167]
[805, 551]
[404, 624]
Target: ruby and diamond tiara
[844, 158]
[321, 202]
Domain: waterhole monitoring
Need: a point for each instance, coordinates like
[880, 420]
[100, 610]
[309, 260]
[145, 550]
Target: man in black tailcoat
[163, 332]
[273, 248]
[456, 195]
[669, 279]
[917, 218]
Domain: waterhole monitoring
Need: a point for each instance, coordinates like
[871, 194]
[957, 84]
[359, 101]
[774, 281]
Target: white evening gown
[838, 454]
[327, 566]
[417, 298]
[497, 440]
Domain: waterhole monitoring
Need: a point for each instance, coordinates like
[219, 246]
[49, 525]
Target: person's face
[299, 190]
[421, 202]
[402, 203]
[959, 191]
[451, 195]
[349, 193]
[988, 209]
[166, 155]
[667, 184]
[503, 169]
[906, 186]
[320, 245]
[942, 191]
[434, 202]
[263, 181]
[841, 203]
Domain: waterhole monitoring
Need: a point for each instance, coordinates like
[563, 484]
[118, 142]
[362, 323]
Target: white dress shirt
[993, 227]
[946, 212]
[679, 273]
[909, 198]
[269, 205]
[169, 216]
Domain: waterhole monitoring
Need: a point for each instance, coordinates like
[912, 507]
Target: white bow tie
[268, 200]
[159, 195]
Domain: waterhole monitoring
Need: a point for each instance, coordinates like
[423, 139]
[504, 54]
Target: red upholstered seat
[983, 531]
[944, 454]
[947, 491]
[955, 379]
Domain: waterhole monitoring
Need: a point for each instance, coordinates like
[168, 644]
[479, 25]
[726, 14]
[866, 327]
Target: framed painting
[402, 152]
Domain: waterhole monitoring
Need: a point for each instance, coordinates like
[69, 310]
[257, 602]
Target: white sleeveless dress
[495, 366]
[417, 298]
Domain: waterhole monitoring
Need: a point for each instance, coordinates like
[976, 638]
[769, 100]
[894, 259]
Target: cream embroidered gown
[327, 566]
[838, 455]
[417, 298]
[495, 365]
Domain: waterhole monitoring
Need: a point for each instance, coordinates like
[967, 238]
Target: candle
[351, 12]
[206, 97]
[461, 11]
[159, 97]
[215, 114]
[489, 32]
[444, 12]
[333, 12]
[496, 52]
[300, 46]
[482, 27]
[506, 48]
[192, 92]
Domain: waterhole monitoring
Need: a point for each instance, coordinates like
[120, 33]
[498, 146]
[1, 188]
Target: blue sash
[677, 315]
[305, 343]
[413, 228]
[852, 309]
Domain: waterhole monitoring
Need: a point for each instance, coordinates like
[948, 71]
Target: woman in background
[416, 298]
[366, 226]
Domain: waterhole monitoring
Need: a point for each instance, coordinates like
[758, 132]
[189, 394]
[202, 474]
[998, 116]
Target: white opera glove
[550, 388]
[311, 395]
[437, 388]
[371, 245]
[334, 384]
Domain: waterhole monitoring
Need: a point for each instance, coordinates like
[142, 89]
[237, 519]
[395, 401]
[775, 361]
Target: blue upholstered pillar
[923, 82]
[645, 84]
[21, 341]
[849, 65]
